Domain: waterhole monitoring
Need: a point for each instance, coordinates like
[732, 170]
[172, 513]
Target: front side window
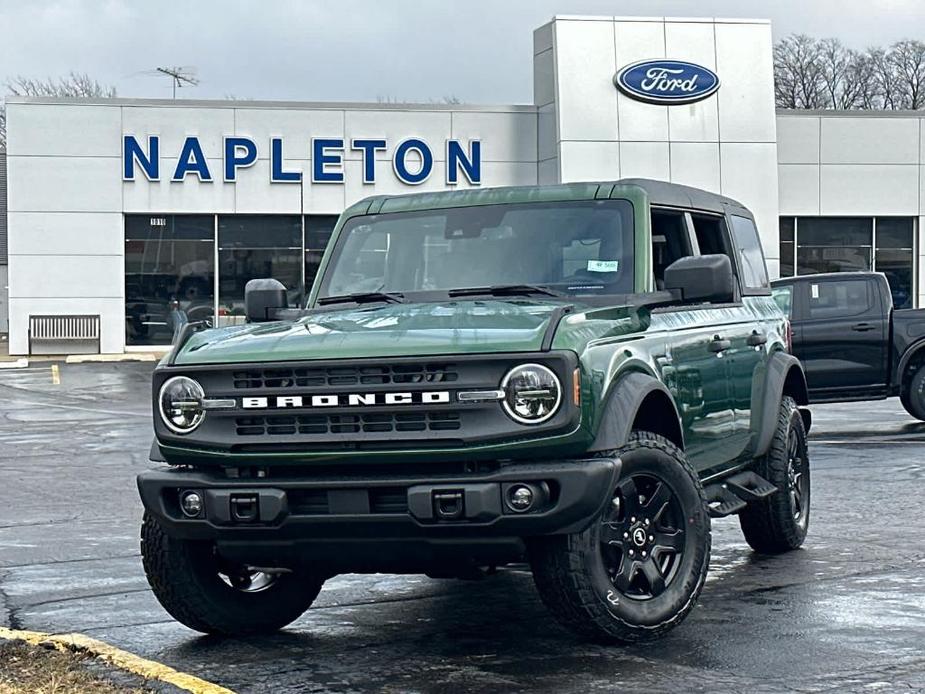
[783, 295]
[574, 248]
[748, 249]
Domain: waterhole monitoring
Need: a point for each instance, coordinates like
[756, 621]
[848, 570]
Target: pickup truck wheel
[638, 569]
[913, 399]
[201, 591]
[778, 523]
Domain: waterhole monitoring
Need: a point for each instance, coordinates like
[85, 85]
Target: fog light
[191, 504]
[520, 498]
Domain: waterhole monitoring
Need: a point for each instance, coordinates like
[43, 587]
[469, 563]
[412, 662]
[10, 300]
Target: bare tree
[76, 84]
[847, 76]
[823, 73]
[833, 61]
[861, 90]
[908, 62]
[799, 81]
[884, 84]
[450, 100]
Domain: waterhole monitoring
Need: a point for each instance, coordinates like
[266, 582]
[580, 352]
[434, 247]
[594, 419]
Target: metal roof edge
[852, 113]
[282, 105]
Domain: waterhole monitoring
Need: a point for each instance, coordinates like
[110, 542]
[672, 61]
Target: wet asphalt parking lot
[846, 613]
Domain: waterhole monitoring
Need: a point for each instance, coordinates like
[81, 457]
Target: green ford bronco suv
[575, 376]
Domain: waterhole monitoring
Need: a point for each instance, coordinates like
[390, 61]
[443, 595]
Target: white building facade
[127, 209]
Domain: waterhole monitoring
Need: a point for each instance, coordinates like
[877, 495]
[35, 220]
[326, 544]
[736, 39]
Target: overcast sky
[479, 51]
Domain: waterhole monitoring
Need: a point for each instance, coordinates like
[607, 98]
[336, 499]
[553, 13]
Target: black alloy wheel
[642, 537]
[797, 477]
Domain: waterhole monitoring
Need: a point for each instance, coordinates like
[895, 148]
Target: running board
[734, 493]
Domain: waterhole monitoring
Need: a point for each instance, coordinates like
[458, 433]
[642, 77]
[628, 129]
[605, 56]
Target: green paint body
[719, 398]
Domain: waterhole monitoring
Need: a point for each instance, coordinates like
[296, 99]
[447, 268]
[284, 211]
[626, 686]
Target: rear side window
[710, 236]
[784, 298]
[839, 299]
[748, 249]
[669, 242]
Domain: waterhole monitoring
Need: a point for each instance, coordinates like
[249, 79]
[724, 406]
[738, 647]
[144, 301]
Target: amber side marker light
[576, 387]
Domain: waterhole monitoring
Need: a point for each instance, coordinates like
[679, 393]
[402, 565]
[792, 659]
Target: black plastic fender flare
[780, 367]
[624, 399]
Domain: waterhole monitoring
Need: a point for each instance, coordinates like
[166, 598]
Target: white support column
[919, 263]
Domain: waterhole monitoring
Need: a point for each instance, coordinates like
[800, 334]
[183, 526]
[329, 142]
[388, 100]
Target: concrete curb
[17, 364]
[146, 669]
[106, 358]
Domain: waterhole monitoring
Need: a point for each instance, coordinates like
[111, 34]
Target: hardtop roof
[658, 192]
[822, 276]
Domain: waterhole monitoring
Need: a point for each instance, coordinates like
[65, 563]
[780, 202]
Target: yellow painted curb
[148, 669]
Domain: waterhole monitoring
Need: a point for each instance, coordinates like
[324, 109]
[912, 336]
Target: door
[693, 364]
[748, 328]
[843, 334]
[695, 369]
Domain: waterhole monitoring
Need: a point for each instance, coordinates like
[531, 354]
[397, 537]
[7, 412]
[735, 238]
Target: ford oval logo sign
[666, 81]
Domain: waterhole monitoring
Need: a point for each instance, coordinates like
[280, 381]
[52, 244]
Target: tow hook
[449, 505]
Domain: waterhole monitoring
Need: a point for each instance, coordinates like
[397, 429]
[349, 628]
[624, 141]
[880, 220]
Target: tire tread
[169, 565]
[565, 586]
[767, 523]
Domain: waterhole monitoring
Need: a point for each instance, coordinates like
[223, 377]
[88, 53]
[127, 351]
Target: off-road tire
[913, 399]
[568, 569]
[184, 577]
[768, 524]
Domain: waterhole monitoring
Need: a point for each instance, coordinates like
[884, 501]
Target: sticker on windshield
[603, 265]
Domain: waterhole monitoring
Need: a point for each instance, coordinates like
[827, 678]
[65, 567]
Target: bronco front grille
[303, 377]
[340, 405]
[320, 424]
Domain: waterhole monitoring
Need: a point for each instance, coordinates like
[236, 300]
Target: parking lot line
[147, 669]
[55, 375]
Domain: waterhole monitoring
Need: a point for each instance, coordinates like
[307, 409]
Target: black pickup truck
[853, 344]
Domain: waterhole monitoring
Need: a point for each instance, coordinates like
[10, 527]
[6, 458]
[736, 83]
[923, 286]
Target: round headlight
[180, 403]
[532, 393]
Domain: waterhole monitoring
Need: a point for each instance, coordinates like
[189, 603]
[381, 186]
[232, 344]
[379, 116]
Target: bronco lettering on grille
[429, 397]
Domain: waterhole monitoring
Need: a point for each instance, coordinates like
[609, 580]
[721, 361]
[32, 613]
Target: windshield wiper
[362, 298]
[505, 290]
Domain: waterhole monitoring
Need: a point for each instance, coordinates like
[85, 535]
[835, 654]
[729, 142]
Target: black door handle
[757, 339]
[718, 344]
[862, 327]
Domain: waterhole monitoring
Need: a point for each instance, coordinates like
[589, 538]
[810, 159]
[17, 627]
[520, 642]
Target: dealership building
[122, 211]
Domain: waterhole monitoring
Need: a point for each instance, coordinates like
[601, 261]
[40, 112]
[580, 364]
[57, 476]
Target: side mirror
[702, 279]
[262, 299]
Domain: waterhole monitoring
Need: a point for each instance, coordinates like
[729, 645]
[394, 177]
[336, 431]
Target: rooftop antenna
[180, 76]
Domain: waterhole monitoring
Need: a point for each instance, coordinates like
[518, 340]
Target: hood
[386, 330]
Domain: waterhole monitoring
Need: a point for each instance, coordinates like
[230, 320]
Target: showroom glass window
[318, 229]
[894, 256]
[810, 245]
[253, 246]
[169, 275]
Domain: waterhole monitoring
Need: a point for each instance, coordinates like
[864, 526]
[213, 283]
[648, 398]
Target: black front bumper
[381, 523]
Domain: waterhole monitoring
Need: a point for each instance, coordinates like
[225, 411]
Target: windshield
[572, 248]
